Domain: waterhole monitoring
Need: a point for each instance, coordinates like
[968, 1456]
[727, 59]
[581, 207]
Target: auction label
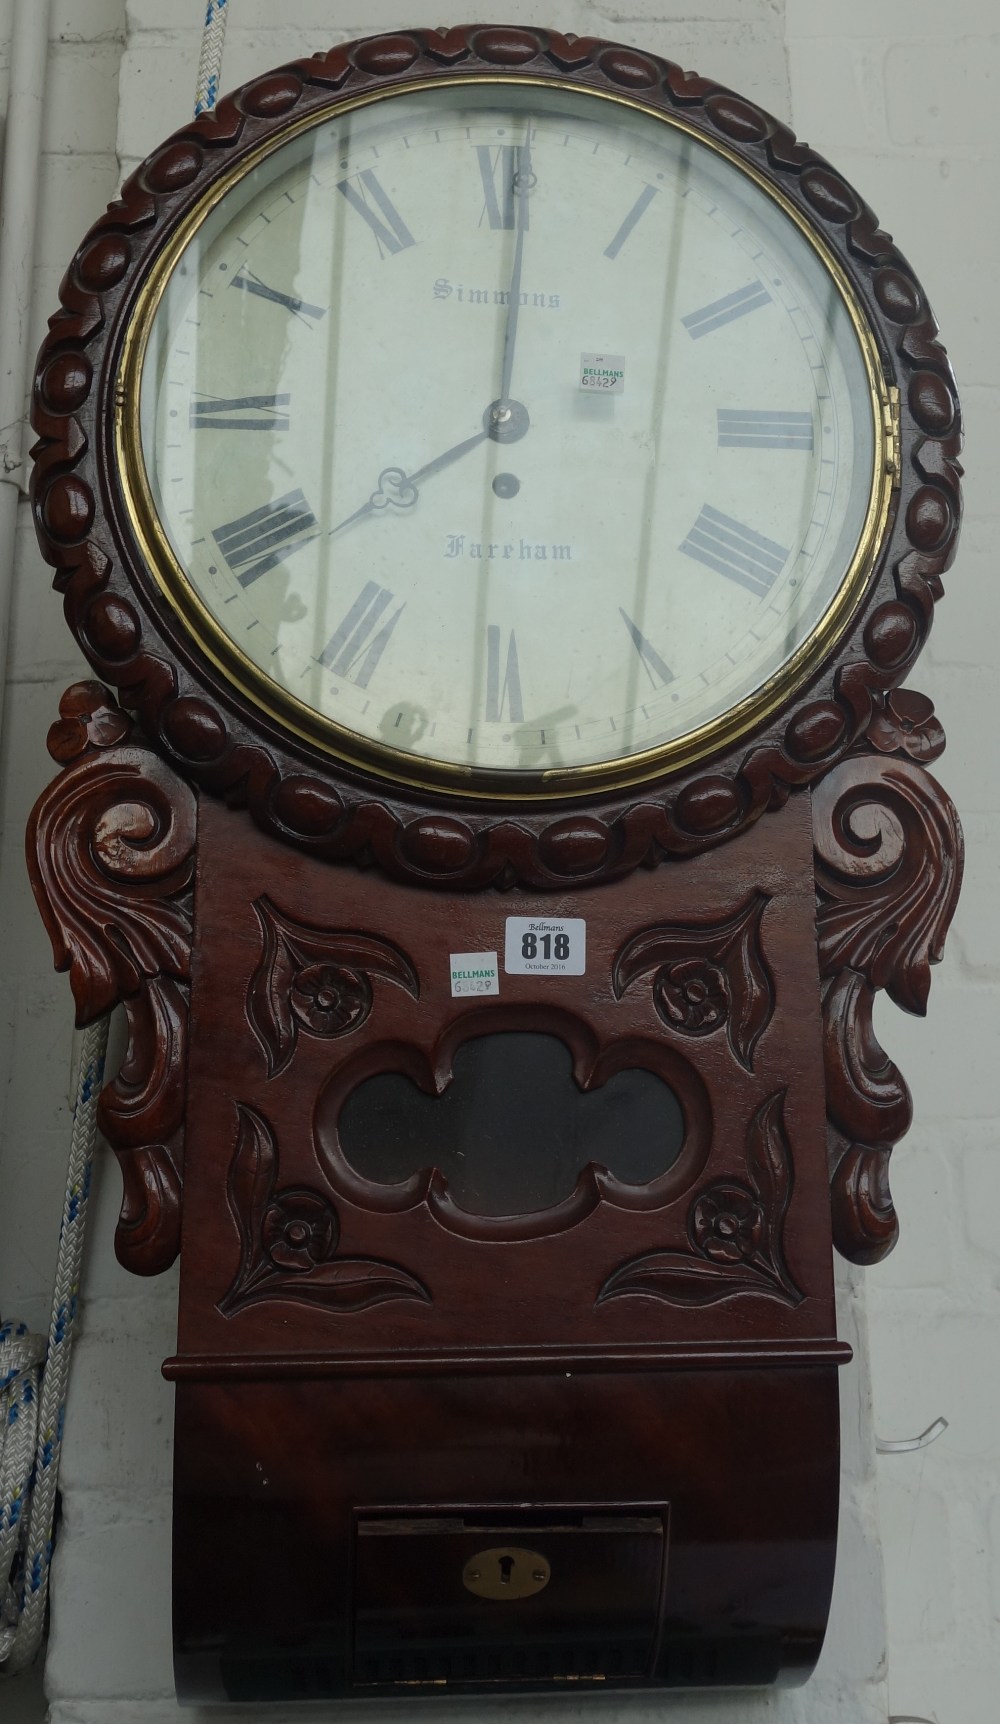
[474, 973]
[545, 947]
[604, 372]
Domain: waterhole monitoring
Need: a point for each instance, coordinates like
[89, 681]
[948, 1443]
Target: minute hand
[522, 185]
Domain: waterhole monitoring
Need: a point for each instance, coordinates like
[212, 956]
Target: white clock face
[505, 428]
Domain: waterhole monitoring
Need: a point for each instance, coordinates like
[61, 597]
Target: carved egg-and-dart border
[322, 806]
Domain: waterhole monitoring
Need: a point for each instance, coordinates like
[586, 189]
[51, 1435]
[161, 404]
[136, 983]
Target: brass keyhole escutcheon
[506, 1571]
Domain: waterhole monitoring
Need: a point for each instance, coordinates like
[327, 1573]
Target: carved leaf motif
[315, 980]
[888, 872]
[288, 1238]
[678, 1279]
[706, 975]
[252, 1176]
[345, 1284]
[769, 1165]
[737, 1236]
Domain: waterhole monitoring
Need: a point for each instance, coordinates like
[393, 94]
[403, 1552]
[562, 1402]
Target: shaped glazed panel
[699, 978]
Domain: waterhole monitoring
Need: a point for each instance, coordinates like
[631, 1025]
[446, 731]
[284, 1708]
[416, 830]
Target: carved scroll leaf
[736, 1232]
[706, 975]
[289, 1239]
[111, 854]
[888, 871]
[316, 980]
[113, 844]
[889, 868]
[148, 1238]
[865, 1224]
[867, 1095]
[145, 1101]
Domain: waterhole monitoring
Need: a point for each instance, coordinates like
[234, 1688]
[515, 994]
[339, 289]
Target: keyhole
[506, 1565]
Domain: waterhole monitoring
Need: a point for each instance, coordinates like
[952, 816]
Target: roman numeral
[505, 692]
[239, 413]
[391, 235]
[253, 284]
[735, 551]
[498, 168]
[254, 544]
[753, 428]
[642, 203]
[725, 310]
[652, 664]
[357, 644]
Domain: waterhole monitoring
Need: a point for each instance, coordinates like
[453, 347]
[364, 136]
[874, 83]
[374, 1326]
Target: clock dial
[490, 435]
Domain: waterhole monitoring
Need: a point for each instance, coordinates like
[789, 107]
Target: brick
[81, 97]
[156, 96]
[119, 1415]
[943, 101]
[926, 1197]
[886, 18]
[975, 935]
[927, 1680]
[921, 1370]
[979, 1167]
[74, 191]
[855, 1642]
[41, 646]
[949, 1057]
[919, 1568]
[87, 20]
[111, 1566]
[837, 88]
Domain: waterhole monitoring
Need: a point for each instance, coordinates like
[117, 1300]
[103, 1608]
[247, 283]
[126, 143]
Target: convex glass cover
[505, 437]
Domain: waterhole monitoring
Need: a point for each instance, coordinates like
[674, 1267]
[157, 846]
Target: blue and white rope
[34, 1379]
[210, 64]
[33, 1396]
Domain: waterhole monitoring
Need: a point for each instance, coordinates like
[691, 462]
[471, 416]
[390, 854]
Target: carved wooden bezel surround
[217, 739]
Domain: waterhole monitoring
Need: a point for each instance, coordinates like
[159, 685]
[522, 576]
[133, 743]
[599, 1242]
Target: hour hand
[393, 487]
[397, 490]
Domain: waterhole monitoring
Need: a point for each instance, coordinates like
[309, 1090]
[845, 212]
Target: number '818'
[552, 945]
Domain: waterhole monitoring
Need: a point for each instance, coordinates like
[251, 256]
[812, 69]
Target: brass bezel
[421, 772]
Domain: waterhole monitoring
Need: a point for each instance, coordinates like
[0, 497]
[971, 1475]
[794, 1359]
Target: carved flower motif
[727, 1223]
[329, 999]
[693, 995]
[299, 1230]
[907, 725]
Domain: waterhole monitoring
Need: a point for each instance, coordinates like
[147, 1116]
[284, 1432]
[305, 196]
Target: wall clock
[505, 480]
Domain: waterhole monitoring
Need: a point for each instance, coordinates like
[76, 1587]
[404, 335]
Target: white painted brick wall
[902, 95]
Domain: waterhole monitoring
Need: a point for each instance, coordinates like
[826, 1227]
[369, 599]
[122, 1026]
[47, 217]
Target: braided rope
[34, 1379]
[210, 64]
[31, 1420]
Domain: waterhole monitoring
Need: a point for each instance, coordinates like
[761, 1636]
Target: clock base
[684, 1523]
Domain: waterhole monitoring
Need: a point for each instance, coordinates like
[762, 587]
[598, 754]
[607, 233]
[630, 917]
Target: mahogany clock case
[393, 1381]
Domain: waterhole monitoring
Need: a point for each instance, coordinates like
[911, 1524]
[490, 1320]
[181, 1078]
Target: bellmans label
[604, 372]
[474, 973]
[539, 946]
